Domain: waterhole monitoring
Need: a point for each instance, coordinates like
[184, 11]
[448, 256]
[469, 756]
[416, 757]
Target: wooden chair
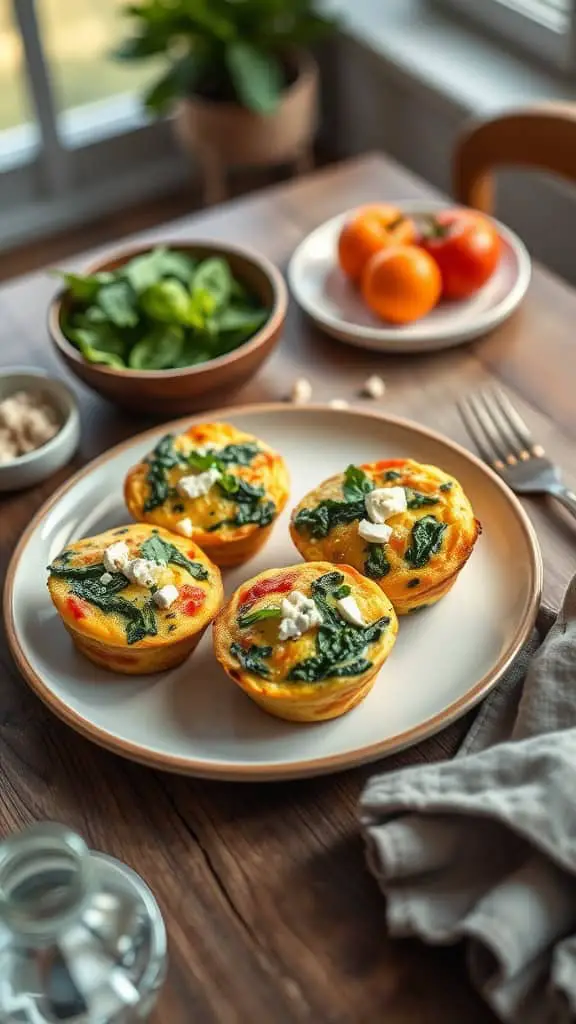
[539, 138]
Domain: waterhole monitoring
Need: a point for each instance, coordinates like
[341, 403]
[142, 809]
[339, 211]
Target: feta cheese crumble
[106, 577]
[116, 557]
[165, 596]
[199, 485]
[384, 502]
[185, 527]
[299, 614]
[374, 533]
[143, 571]
[349, 609]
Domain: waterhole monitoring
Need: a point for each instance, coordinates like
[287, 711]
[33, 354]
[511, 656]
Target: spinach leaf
[392, 474]
[167, 301]
[163, 458]
[251, 658]
[326, 583]
[87, 340]
[240, 490]
[158, 350]
[376, 565]
[344, 591]
[261, 513]
[77, 572]
[213, 277]
[426, 540]
[143, 271]
[84, 288]
[242, 321]
[242, 454]
[272, 612]
[319, 521]
[118, 302]
[139, 622]
[158, 550]
[415, 499]
[356, 484]
[447, 486]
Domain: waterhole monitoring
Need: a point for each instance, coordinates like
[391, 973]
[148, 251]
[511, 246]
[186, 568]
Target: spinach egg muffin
[215, 484]
[407, 526]
[135, 599]
[306, 642]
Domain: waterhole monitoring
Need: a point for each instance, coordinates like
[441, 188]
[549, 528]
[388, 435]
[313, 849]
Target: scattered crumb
[339, 403]
[26, 423]
[301, 391]
[373, 387]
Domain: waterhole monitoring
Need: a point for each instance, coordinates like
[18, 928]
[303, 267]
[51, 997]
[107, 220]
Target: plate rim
[356, 334]
[240, 772]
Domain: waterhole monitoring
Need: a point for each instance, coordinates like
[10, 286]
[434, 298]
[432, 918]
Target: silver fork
[506, 444]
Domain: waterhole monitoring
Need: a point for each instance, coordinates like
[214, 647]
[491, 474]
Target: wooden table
[273, 918]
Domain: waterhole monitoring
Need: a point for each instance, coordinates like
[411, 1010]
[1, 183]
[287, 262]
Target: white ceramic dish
[194, 719]
[35, 466]
[324, 293]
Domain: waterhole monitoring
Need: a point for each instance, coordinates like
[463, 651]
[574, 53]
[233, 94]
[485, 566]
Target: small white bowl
[35, 466]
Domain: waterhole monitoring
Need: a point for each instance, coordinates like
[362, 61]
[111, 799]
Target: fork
[506, 444]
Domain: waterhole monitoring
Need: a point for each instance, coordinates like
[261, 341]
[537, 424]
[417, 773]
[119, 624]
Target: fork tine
[469, 411]
[517, 424]
[513, 452]
[489, 426]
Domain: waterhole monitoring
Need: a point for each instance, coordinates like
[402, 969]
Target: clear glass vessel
[82, 940]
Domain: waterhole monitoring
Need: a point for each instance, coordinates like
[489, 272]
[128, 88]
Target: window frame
[66, 166]
[538, 37]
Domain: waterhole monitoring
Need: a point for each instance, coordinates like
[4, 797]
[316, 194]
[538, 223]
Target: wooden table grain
[272, 916]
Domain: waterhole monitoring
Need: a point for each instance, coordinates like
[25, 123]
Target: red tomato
[466, 247]
[280, 584]
[192, 599]
[75, 608]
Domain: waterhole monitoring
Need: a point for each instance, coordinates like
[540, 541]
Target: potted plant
[239, 76]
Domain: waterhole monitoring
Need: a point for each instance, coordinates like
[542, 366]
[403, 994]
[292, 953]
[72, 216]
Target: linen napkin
[482, 848]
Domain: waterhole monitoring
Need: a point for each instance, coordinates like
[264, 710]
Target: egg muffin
[407, 526]
[135, 599]
[215, 484]
[306, 642]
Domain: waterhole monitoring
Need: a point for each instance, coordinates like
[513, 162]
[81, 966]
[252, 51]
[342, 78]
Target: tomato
[280, 584]
[466, 247]
[192, 599]
[75, 608]
[401, 284]
[371, 229]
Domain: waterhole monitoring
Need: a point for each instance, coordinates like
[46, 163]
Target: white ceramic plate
[323, 291]
[194, 719]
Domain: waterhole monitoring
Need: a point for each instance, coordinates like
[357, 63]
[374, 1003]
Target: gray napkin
[483, 848]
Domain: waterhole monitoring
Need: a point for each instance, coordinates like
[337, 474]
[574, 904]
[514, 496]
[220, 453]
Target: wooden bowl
[177, 392]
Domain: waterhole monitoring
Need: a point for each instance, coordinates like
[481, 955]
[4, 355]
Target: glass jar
[82, 940]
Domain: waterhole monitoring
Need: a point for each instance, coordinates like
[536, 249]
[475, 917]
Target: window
[545, 28]
[74, 140]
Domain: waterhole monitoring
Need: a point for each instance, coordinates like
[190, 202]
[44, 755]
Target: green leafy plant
[223, 50]
[162, 310]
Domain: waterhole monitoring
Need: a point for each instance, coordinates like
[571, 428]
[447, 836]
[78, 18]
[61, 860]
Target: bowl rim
[69, 408]
[124, 253]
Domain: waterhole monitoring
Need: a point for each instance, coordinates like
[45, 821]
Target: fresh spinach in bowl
[162, 310]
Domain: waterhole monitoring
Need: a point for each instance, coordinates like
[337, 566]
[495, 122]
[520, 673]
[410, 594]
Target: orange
[372, 229]
[401, 284]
